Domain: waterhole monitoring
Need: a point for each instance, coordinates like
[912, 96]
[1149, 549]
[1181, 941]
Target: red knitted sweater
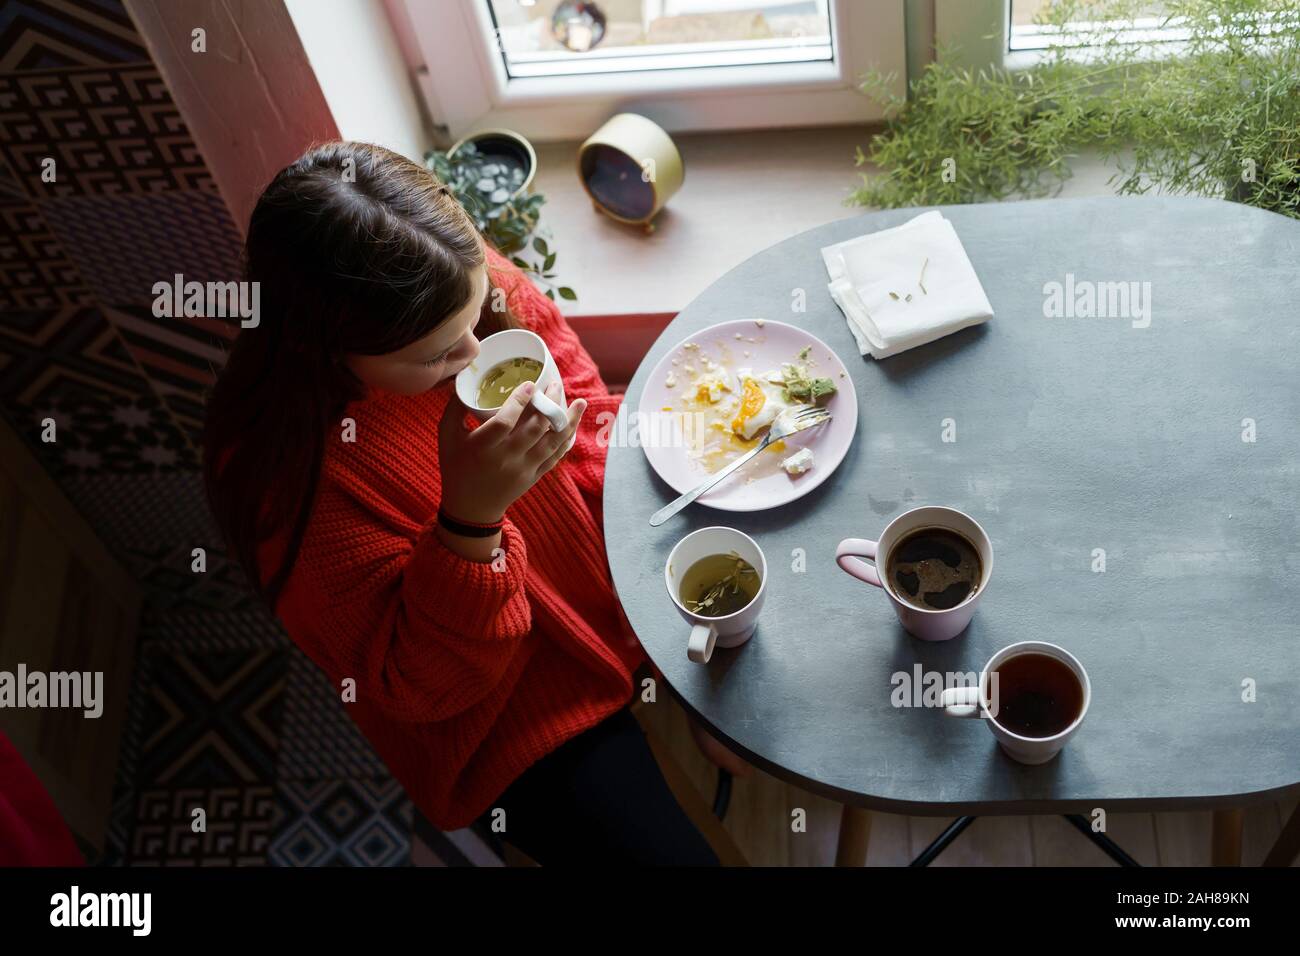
[464, 675]
[32, 833]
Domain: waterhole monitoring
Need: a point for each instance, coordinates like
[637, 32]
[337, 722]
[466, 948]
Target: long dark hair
[357, 250]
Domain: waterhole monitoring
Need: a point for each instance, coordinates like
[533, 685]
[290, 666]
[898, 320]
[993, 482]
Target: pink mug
[927, 624]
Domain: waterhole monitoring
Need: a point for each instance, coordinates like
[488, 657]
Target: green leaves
[487, 191]
[1224, 113]
[540, 247]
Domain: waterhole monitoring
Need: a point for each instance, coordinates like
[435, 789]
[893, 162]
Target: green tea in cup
[719, 584]
[502, 379]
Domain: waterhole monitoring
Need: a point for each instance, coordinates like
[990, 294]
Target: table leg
[1287, 847]
[1225, 838]
[855, 834]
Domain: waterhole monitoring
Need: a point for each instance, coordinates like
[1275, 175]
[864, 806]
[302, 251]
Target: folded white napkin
[866, 270]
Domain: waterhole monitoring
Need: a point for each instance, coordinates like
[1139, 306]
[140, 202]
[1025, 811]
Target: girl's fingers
[542, 429]
[552, 439]
[530, 431]
[451, 427]
[576, 410]
[534, 426]
[551, 460]
[552, 446]
[501, 424]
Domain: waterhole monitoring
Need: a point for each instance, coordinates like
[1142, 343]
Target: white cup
[501, 347]
[982, 701]
[928, 624]
[730, 630]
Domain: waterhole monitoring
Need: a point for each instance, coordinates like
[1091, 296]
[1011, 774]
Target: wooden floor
[761, 805]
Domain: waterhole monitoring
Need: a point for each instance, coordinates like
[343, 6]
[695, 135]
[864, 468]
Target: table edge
[1007, 807]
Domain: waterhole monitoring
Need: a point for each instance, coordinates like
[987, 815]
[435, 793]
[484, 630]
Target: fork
[794, 419]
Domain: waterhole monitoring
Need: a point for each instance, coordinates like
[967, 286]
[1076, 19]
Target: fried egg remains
[761, 400]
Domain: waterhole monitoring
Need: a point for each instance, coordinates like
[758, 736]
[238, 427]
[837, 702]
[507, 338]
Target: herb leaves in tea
[719, 584]
[498, 383]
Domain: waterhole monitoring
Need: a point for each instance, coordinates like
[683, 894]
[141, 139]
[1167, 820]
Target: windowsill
[743, 192]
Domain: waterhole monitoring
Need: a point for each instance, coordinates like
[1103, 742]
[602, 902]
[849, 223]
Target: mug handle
[556, 415]
[849, 554]
[961, 702]
[700, 646]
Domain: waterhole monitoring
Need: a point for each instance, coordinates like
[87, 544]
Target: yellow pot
[630, 168]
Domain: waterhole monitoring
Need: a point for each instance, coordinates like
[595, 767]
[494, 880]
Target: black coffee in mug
[934, 568]
[1036, 695]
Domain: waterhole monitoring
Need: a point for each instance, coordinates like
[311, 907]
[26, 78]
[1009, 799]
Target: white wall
[362, 72]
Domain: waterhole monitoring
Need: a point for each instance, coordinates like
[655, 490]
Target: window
[1149, 25]
[557, 69]
[565, 37]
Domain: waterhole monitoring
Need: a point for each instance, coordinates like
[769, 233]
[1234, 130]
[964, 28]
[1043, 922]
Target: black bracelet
[468, 529]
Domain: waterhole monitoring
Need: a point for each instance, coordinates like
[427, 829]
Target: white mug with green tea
[504, 360]
[717, 579]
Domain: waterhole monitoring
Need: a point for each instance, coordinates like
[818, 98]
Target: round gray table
[1072, 434]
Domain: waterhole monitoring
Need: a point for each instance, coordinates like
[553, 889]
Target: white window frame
[1032, 36]
[1159, 37]
[466, 88]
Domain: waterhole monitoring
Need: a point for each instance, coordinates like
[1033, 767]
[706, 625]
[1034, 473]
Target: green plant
[506, 215]
[1224, 112]
[1229, 108]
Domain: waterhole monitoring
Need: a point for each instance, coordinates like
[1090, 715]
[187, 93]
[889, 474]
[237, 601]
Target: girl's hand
[485, 470]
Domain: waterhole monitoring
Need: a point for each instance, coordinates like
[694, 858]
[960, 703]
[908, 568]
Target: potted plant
[490, 173]
[1223, 110]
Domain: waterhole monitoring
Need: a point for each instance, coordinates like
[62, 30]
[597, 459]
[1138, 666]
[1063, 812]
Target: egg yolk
[752, 400]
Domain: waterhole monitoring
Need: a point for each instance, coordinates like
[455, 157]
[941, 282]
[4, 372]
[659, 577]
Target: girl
[452, 582]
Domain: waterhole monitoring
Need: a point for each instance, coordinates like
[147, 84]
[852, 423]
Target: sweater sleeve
[426, 633]
[539, 314]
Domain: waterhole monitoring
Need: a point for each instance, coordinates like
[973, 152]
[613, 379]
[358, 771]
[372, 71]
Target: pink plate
[761, 483]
